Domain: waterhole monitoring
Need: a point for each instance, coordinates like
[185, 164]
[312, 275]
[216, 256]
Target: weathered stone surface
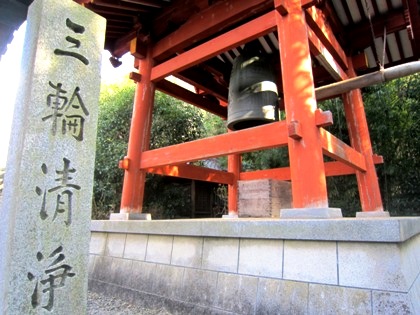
[97, 243]
[220, 254]
[223, 290]
[120, 271]
[102, 271]
[372, 214]
[398, 229]
[115, 245]
[391, 303]
[382, 266]
[410, 256]
[200, 287]
[130, 216]
[311, 213]
[152, 304]
[281, 297]
[142, 276]
[261, 257]
[168, 281]
[45, 216]
[91, 265]
[310, 261]
[237, 293]
[135, 246]
[187, 251]
[414, 295]
[159, 249]
[325, 299]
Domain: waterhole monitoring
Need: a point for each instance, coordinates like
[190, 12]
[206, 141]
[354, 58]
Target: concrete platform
[261, 266]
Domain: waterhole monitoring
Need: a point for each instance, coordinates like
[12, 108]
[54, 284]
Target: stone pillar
[45, 215]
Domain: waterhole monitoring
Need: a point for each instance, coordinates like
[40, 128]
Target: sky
[9, 82]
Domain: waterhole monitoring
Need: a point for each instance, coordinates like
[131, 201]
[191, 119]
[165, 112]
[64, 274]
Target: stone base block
[130, 216]
[373, 214]
[229, 216]
[311, 213]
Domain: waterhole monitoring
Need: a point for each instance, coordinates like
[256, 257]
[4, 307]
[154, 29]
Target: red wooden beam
[334, 168]
[193, 172]
[251, 139]
[338, 150]
[337, 168]
[205, 23]
[236, 37]
[325, 58]
[331, 169]
[316, 20]
[282, 173]
[367, 182]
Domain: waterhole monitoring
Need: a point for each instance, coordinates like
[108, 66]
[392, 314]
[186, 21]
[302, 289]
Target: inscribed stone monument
[45, 214]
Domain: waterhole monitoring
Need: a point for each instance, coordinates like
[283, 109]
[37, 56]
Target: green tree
[173, 122]
[393, 112]
[115, 111]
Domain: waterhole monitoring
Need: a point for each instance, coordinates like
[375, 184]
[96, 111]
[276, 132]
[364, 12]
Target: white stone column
[45, 215]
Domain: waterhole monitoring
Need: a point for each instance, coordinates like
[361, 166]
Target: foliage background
[393, 114]
[173, 122]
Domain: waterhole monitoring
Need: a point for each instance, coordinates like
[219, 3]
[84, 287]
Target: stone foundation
[260, 266]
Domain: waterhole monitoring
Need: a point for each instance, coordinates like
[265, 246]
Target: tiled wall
[224, 275]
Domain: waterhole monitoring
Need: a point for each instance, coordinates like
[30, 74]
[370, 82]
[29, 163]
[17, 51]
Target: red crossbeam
[247, 140]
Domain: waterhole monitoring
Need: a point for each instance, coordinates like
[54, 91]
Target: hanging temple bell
[253, 95]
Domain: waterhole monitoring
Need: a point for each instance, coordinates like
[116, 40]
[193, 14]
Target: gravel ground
[99, 304]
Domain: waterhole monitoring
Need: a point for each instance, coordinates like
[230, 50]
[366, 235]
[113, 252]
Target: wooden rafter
[240, 35]
[192, 98]
[412, 9]
[203, 80]
[359, 35]
[204, 23]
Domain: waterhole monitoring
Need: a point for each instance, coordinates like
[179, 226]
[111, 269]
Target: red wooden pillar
[305, 152]
[234, 166]
[370, 195]
[139, 140]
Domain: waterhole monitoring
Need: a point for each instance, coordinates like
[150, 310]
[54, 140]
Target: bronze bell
[253, 95]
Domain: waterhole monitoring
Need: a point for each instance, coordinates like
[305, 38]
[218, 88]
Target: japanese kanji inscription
[66, 114]
[44, 227]
[77, 29]
[55, 273]
[62, 193]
